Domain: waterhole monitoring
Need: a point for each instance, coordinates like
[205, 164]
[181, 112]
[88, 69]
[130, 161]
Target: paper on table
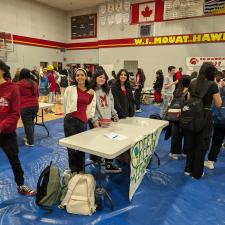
[115, 136]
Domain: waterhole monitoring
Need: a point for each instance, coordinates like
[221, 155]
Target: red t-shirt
[178, 75]
[124, 91]
[83, 100]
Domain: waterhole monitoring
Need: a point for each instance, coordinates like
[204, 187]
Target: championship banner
[198, 61]
[141, 154]
[214, 6]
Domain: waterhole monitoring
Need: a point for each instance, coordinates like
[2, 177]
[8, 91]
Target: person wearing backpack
[29, 104]
[79, 106]
[218, 129]
[176, 131]
[104, 111]
[9, 116]
[203, 91]
[43, 85]
[158, 85]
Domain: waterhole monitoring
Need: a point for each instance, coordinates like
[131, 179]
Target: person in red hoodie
[29, 104]
[9, 116]
[52, 85]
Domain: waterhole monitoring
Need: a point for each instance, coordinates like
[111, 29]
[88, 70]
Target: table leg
[42, 124]
[101, 188]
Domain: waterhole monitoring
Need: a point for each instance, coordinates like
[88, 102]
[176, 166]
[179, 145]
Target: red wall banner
[200, 38]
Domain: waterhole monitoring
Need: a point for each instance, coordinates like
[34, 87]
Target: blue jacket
[219, 113]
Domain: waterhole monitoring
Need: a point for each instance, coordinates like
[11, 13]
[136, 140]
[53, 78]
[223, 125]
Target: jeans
[197, 145]
[28, 115]
[51, 97]
[167, 99]
[217, 141]
[8, 143]
[74, 126]
[137, 96]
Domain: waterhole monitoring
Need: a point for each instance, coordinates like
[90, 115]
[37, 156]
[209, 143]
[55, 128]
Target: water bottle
[100, 198]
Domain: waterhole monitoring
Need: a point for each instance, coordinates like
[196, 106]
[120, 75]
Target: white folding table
[94, 142]
[42, 107]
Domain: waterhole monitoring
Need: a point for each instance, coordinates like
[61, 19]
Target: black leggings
[197, 146]
[74, 126]
[8, 143]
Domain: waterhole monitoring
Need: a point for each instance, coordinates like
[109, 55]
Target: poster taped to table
[141, 154]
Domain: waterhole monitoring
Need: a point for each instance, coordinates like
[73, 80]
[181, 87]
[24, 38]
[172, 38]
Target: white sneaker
[173, 156]
[138, 111]
[187, 174]
[26, 143]
[209, 164]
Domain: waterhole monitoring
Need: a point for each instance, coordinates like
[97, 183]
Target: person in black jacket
[140, 82]
[158, 85]
[123, 96]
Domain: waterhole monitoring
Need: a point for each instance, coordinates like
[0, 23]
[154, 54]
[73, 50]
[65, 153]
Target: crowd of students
[208, 85]
[97, 101]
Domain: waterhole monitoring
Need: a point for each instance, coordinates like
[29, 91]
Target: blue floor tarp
[165, 197]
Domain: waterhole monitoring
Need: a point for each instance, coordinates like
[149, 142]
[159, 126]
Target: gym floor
[165, 197]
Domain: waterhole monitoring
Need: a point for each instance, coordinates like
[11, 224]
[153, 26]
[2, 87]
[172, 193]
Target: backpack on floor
[80, 197]
[192, 116]
[155, 116]
[49, 187]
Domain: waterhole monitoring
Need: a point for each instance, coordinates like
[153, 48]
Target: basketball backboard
[6, 42]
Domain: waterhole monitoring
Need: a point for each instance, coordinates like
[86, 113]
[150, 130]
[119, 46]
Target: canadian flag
[142, 12]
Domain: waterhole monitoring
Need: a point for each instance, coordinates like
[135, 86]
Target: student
[79, 106]
[43, 85]
[198, 142]
[123, 96]
[113, 80]
[168, 90]
[104, 110]
[176, 131]
[140, 81]
[218, 129]
[9, 116]
[52, 86]
[29, 104]
[158, 85]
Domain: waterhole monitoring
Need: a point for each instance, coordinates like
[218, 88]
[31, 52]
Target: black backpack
[192, 113]
[64, 81]
[174, 110]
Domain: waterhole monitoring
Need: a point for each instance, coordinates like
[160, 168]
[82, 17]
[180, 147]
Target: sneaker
[24, 190]
[184, 155]
[138, 111]
[26, 143]
[173, 156]
[187, 174]
[209, 164]
[111, 168]
[51, 112]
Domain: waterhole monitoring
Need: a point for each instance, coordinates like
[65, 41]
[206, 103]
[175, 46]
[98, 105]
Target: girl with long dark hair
[79, 105]
[104, 110]
[29, 104]
[123, 96]
[9, 116]
[177, 135]
[198, 142]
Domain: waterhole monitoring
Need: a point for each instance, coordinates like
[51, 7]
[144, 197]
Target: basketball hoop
[6, 42]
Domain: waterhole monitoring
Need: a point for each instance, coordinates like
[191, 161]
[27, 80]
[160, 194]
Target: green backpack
[49, 187]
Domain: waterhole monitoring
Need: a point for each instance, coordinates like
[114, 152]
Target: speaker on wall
[145, 30]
